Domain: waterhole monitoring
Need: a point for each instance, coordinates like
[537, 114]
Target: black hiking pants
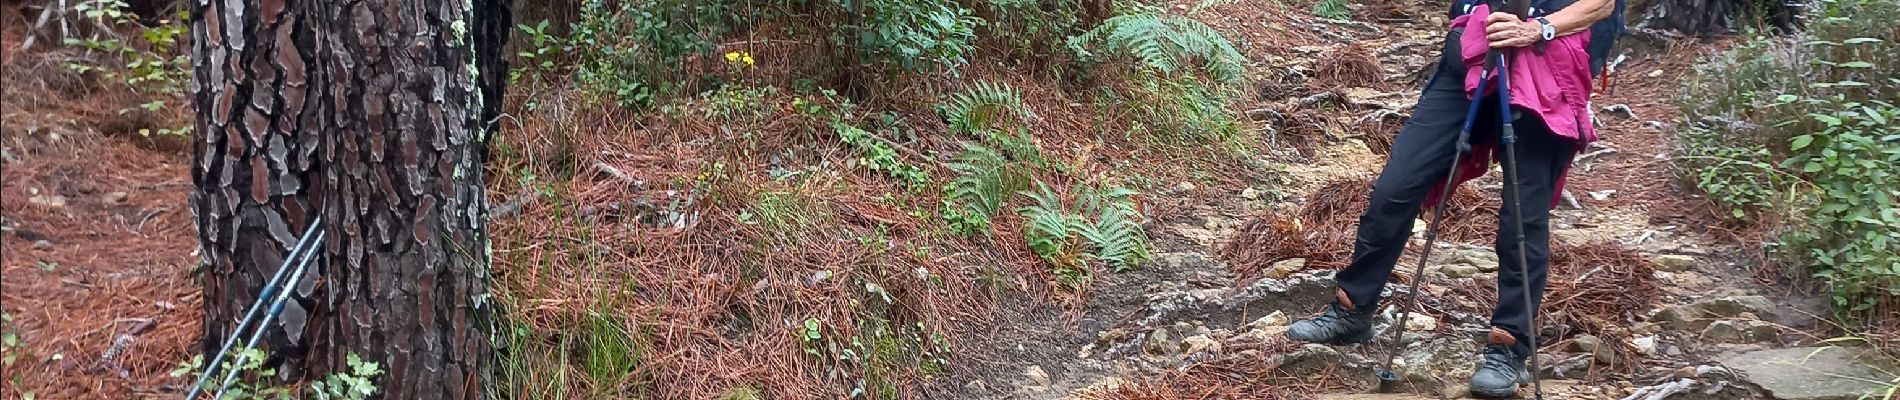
[1421, 158]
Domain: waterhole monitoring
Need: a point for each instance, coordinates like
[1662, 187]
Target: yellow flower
[732, 56]
[748, 59]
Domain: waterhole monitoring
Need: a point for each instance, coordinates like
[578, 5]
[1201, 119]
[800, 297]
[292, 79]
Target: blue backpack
[1603, 34]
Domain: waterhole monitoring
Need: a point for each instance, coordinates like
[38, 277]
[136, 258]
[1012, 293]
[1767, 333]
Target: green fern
[984, 181]
[1047, 226]
[978, 108]
[1332, 9]
[1165, 43]
[1116, 233]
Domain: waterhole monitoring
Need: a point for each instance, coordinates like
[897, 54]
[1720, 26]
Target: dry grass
[1349, 66]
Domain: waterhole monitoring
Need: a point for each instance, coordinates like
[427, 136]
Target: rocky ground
[1711, 331]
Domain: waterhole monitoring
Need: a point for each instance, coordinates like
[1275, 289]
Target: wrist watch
[1549, 31]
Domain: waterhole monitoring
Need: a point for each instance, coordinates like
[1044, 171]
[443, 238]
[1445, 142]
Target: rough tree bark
[372, 113]
[254, 159]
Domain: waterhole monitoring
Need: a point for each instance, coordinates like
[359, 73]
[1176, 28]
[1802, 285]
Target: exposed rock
[1811, 373]
[1740, 331]
[1440, 365]
[1698, 315]
[1673, 262]
[42, 245]
[1284, 268]
[1419, 322]
[115, 197]
[1311, 359]
[1198, 344]
[1276, 319]
[1485, 260]
[1459, 271]
[1646, 345]
[1704, 382]
[1595, 347]
[1037, 376]
[1250, 194]
[1261, 335]
[1158, 343]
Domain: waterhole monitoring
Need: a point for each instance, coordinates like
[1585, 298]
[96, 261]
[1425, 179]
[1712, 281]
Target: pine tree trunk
[253, 159]
[371, 113]
[403, 138]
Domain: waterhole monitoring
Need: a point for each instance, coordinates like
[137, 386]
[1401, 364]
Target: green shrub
[152, 65]
[1028, 29]
[1799, 132]
[634, 53]
[912, 35]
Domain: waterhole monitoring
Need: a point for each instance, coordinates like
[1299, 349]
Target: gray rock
[1198, 344]
[1277, 318]
[1419, 322]
[42, 245]
[1440, 364]
[1311, 359]
[1812, 373]
[1158, 343]
[1458, 271]
[1705, 382]
[1673, 262]
[115, 197]
[1595, 347]
[1485, 259]
[1284, 268]
[1698, 315]
[1740, 331]
[1037, 376]
[1646, 345]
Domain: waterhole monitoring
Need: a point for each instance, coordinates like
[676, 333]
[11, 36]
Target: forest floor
[98, 246]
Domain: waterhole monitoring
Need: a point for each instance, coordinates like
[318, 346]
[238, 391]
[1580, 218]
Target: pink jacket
[1554, 84]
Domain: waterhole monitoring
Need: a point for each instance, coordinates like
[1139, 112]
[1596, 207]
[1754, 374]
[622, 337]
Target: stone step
[1811, 373]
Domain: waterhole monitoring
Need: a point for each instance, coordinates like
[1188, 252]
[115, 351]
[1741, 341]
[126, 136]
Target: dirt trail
[1146, 332]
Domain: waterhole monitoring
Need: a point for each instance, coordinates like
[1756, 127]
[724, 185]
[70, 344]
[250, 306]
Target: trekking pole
[1507, 136]
[1388, 381]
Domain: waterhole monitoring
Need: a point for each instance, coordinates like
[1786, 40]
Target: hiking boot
[1503, 368]
[1341, 324]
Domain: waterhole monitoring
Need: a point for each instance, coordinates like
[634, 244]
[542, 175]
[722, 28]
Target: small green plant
[739, 102]
[981, 108]
[356, 383]
[540, 50]
[1332, 9]
[11, 349]
[880, 156]
[985, 180]
[153, 64]
[1800, 134]
[1106, 220]
[610, 351]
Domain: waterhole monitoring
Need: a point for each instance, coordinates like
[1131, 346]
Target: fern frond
[1047, 226]
[1165, 44]
[1116, 232]
[977, 108]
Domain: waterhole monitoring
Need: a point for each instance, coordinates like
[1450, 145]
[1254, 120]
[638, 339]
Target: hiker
[1550, 86]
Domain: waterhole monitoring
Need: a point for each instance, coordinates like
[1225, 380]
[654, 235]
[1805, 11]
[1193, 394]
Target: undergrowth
[150, 64]
[1802, 135]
